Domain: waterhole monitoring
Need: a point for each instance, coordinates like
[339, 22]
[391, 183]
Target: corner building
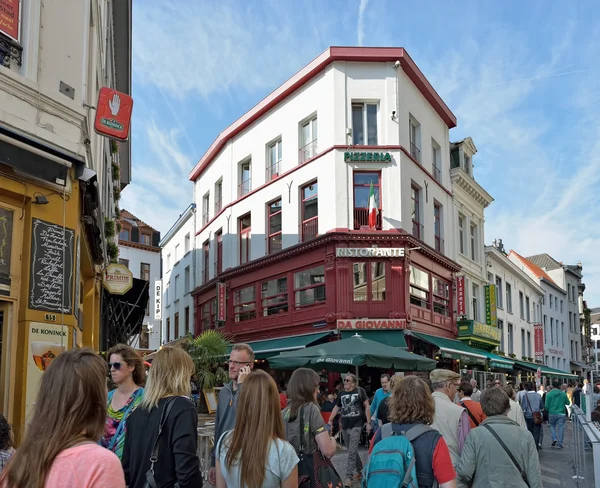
[284, 243]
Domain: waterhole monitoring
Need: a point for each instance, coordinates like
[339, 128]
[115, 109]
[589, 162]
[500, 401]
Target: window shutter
[155, 239]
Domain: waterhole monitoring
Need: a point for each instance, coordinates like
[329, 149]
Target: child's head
[5, 434]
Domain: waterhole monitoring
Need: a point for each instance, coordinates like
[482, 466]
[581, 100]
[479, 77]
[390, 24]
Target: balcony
[439, 244]
[361, 219]
[309, 229]
[218, 205]
[415, 152]
[418, 230]
[273, 171]
[437, 173]
[307, 152]
[244, 187]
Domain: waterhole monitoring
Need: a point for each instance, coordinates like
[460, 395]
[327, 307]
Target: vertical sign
[221, 317]
[538, 340]
[158, 299]
[491, 317]
[460, 295]
[10, 11]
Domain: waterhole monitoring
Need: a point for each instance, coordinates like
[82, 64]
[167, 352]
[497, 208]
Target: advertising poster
[46, 342]
[10, 11]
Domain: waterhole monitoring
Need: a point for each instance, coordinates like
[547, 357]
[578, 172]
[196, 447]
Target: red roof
[332, 54]
[125, 214]
[534, 268]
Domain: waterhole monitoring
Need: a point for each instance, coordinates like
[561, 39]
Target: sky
[523, 82]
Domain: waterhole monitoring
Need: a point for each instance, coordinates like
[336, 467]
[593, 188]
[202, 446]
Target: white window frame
[414, 138]
[436, 161]
[364, 108]
[473, 242]
[461, 234]
[274, 167]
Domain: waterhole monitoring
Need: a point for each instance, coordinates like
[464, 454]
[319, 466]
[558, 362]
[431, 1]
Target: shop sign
[10, 13]
[486, 331]
[556, 352]
[491, 317]
[118, 280]
[538, 339]
[369, 252]
[113, 113]
[371, 324]
[368, 156]
[221, 302]
[158, 299]
[460, 294]
[6, 234]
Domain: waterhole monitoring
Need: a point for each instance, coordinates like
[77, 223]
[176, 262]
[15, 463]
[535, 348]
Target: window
[274, 295]
[414, 131]
[461, 234]
[218, 196]
[168, 261]
[205, 261]
[187, 320]
[309, 195]
[501, 329]
[245, 229]
[510, 339]
[219, 257]
[490, 278]
[124, 235]
[168, 329]
[309, 286]
[508, 297]
[562, 333]
[205, 316]
[362, 282]
[417, 228]
[499, 292]
[186, 284]
[552, 331]
[436, 161]
[545, 330]
[363, 182]
[571, 321]
[521, 305]
[176, 290]
[244, 304]
[378, 285]
[561, 306]
[273, 160]
[124, 262]
[213, 313]
[177, 255]
[468, 166]
[441, 296]
[529, 355]
[167, 293]
[176, 322]
[245, 178]
[275, 234]
[550, 300]
[205, 207]
[419, 287]
[146, 240]
[186, 244]
[308, 140]
[364, 124]
[437, 227]
[523, 346]
[475, 302]
[527, 309]
[569, 291]
[473, 242]
[145, 271]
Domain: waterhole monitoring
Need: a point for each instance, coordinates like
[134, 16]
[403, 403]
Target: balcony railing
[218, 205]
[439, 244]
[437, 173]
[307, 152]
[309, 229]
[244, 187]
[418, 229]
[273, 171]
[205, 218]
[361, 218]
[415, 152]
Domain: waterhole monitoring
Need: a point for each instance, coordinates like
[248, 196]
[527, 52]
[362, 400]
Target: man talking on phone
[241, 362]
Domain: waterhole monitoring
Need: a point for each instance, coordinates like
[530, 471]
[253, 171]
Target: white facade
[470, 202]
[595, 336]
[519, 303]
[554, 321]
[315, 127]
[179, 257]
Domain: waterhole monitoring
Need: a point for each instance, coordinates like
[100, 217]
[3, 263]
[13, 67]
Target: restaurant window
[275, 232]
[378, 285]
[244, 303]
[363, 182]
[145, 271]
[310, 212]
[365, 284]
[415, 195]
[441, 296]
[364, 124]
[360, 278]
[187, 320]
[419, 287]
[273, 160]
[309, 286]
[205, 259]
[274, 295]
[206, 316]
[176, 322]
[219, 253]
[245, 229]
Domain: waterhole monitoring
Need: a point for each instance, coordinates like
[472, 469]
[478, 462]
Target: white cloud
[361, 21]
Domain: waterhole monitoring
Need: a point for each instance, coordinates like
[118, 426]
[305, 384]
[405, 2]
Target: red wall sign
[9, 18]
[221, 316]
[538, 339]
[460, 295]
[113, 113]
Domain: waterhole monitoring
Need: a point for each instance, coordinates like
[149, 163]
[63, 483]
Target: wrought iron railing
[307, 152]
[361, 218]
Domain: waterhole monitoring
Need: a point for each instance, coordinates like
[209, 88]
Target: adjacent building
[595, 336]
[59, 182]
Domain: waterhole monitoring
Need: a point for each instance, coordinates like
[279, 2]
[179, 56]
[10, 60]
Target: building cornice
[179, 223]
[462, 180]
[137, 245]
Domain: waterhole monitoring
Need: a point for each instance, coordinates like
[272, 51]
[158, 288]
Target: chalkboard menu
[51, 284]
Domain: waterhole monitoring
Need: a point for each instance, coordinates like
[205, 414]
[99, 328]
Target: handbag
[538, 418]
[150, 480]
[315, 470]
[510, 455]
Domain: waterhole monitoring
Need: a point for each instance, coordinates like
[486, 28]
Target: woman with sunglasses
[127, 372]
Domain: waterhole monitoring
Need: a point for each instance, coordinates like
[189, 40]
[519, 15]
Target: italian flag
[373, 211]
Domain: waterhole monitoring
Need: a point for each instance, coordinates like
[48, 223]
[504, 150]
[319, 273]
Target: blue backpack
[392, 461]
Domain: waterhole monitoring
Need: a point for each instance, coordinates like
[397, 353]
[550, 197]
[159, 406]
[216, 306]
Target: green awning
[498, 362]
[271, 347]
[453, 349]
[546, 370]
[393, 338]
[527, 365]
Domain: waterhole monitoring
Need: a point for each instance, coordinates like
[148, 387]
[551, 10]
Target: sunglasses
[117, 366]
[348, 381]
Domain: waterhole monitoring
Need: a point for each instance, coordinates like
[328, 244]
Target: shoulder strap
[301, 422]
[512, 458]
[163, 419]
[387, 430]
[470, 414]
[121, 426]
[417, 431]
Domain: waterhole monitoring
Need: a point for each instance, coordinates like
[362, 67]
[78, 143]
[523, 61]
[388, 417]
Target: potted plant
[512, 355]
[501, 353]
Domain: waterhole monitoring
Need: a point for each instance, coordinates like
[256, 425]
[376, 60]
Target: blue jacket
[380, 395]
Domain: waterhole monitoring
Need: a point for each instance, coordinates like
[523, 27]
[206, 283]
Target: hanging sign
[10, 13]
[490, 306]
[113, 114]
[158, 299]
[221, 302]
[460, 295]
[118, 280]
[538, 339]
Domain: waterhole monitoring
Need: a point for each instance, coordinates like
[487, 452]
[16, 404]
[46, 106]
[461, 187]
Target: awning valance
[453, 349]
[271, 347]
[393, 338]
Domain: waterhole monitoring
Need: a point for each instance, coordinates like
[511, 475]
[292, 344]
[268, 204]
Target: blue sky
[523, 82]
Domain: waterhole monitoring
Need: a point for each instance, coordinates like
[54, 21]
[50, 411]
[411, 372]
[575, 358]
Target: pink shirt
[86, 466]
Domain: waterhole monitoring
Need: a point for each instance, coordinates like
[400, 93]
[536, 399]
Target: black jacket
[177, 447]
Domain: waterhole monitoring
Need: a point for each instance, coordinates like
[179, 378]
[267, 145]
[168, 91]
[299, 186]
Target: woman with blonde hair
[162, 433]
[127, 372]
[255, 454]
[61, 445]
[412, 407]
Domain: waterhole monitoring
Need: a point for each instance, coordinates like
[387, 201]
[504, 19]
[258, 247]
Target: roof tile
[534, 268]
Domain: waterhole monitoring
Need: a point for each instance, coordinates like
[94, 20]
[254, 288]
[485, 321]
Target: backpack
[392, 461]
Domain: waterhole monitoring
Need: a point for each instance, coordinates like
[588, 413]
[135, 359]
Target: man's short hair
[494, 401]
[246, 348]
[466, 388]
[385, 375]
[556, 384]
